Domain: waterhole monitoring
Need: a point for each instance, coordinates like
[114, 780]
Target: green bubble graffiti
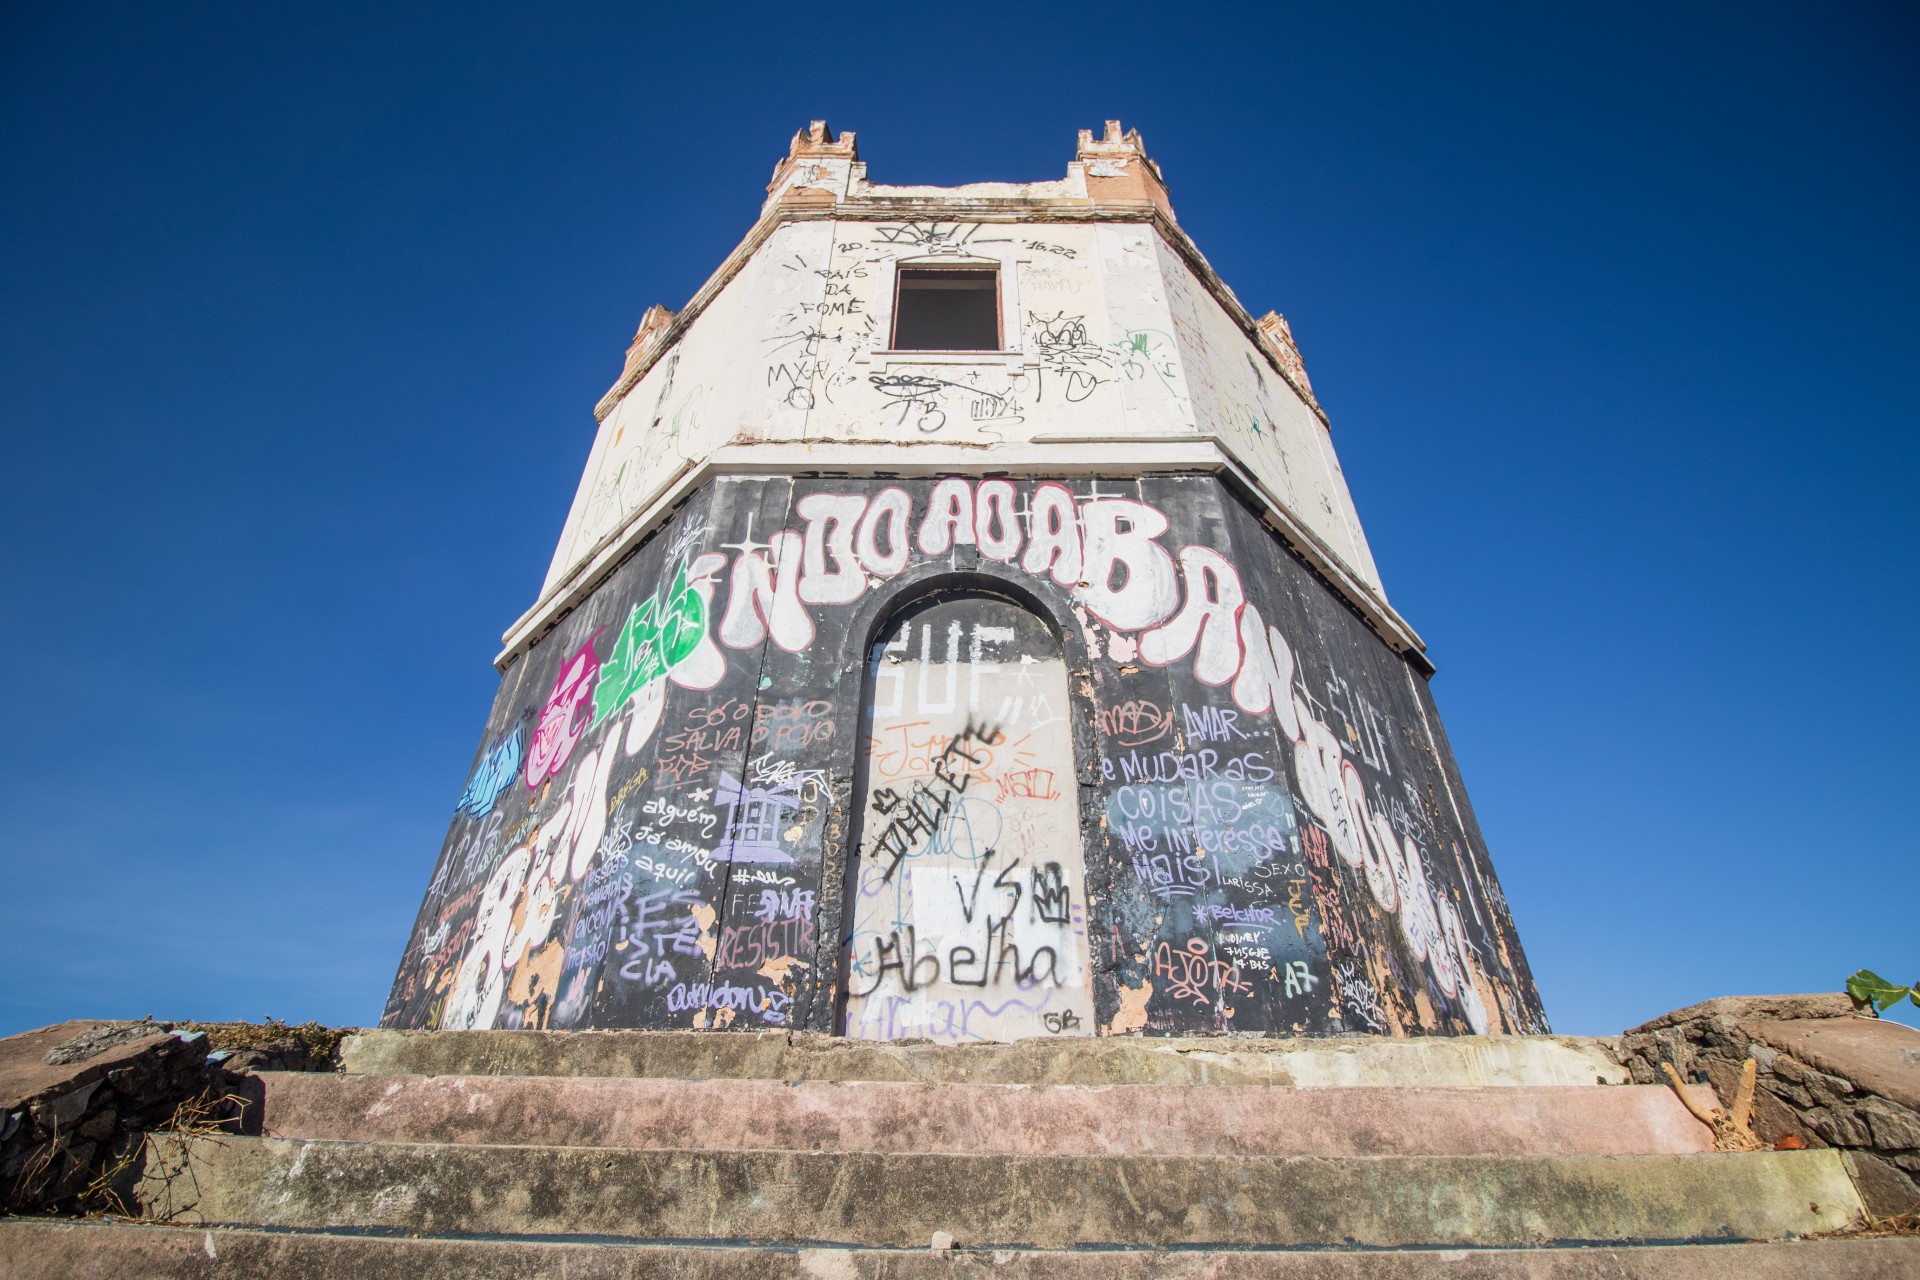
[659, 635]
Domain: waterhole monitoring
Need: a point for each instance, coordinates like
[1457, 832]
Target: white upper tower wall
[1119, 351]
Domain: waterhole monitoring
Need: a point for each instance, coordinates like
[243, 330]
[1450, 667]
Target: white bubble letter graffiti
[763, 600]
[831, 519]
[1120, 535]
[892, 506]
[949, 517]
[1208, 617]
[1053, 537]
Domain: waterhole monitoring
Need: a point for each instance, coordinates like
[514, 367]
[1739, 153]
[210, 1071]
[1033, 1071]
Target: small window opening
[947, 310]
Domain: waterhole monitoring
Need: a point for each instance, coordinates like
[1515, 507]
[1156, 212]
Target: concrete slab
[982, 1119]
[1439, 1062]
[1044, 1202]
[45, 1250]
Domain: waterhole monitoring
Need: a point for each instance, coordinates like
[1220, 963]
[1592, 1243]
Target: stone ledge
[1050, 1202]
[984, 1119]
[27, 1077]
[33, 1251]
[1301, 1062]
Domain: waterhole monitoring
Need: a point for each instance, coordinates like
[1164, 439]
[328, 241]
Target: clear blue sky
[306, 309]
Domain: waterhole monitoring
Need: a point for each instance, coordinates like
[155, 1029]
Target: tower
[962, 630]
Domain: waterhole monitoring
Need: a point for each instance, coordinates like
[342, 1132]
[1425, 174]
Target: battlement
[1112, 173]
[816, 141]
[653, 327]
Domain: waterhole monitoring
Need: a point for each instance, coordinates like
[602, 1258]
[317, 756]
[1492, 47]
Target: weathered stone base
[898, 1117]
[627, 1154]
[42, 1251]
[1305, 1062]
[1053, 1202]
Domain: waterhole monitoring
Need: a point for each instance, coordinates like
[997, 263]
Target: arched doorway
[968, 887]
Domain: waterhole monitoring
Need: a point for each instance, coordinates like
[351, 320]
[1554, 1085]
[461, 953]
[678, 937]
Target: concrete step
[1436, 1062]
[983, 1119]
[43, 1250]
[1048, 1202]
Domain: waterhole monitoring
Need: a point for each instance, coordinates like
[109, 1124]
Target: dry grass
[207, 1113]
[33, 1178]
[1904, 1224]
[204, 1115]
[320, 1043]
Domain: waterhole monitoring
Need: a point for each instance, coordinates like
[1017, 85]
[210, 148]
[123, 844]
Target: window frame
[993, 269]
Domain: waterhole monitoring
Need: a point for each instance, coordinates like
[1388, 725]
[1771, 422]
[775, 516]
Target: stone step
[43, 1250]
[1049, 1202]
[983, 1119]
[1436, 1062]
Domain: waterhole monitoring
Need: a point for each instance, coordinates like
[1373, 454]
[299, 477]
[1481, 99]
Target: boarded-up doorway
[968, 914]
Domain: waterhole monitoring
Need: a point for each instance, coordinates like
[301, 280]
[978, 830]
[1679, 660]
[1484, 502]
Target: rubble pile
[77, 1100]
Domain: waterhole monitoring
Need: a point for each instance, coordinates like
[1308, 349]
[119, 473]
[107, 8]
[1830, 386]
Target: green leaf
[1868, 987]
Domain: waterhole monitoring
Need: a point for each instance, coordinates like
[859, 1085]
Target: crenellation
[815, 170]
[1277, 337]
[653, 328]
[1117, 168]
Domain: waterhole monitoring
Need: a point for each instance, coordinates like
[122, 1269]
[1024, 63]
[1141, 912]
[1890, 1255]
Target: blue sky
[303, 314]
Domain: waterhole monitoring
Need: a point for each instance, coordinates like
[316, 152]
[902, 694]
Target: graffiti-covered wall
[733, 787]
[1107, 334]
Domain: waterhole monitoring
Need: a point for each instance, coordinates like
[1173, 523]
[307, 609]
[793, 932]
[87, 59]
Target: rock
[70, 1092]
[1884, 1190]
[64, 1110]
[1894, 1127]
[1843, 1128]
[1827, 1077]
[1866, 1054]
[94, 1041]
[100, 1125]
[1792, 1094]
[1818, 1005]
[1774, 1119]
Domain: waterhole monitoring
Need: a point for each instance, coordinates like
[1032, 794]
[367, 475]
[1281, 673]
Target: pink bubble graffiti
[567, 715]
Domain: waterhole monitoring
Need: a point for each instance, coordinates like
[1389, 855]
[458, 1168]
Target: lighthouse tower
[962, 631]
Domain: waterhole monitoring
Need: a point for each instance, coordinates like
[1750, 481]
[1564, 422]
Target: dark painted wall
[1275, 834]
